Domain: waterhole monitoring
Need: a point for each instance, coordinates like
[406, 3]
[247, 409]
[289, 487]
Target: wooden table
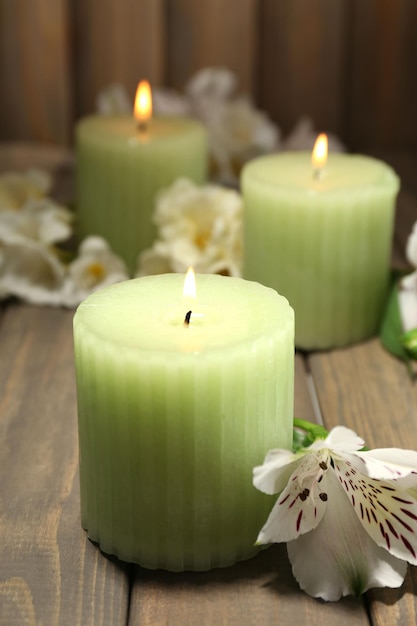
[50, 574]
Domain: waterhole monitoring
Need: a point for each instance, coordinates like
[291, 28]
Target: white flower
[95, 267]
[17, 188]
[407, 292]
[197, 226]
[169, 102]
[114, 100]
[237, 133]
[39, 220]
[349, 516]
[303, 137]
[31, 272]
[209, 87]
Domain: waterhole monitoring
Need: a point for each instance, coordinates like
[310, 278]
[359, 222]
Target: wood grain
[258, 592]
[383, 89]
[302, 62]
[50, 573]
[116, 42]
[35, 71]
[211, 34]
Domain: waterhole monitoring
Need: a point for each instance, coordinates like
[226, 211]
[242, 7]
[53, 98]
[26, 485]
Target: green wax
[323, 243]
[172, 419]
[120, 169]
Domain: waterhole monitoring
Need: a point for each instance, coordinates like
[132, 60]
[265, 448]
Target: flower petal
[301, 505]
[390, 463]
[342, 438]
[338, 558]
[273, 475]
[386, 511]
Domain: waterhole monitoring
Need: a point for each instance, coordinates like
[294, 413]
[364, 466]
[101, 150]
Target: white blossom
[18, 188]
[197, 226]
[38, 220]
[114, 100]
[30, 271]
[304, 135]
[95, 267]
[349, 516]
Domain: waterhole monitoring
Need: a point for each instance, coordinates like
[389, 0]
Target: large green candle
[120, 168]
[173, 418]
[322, 241]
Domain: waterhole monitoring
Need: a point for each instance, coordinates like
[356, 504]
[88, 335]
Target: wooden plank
[211, 34]
[35, 72]
[50, 573]
[383, 85]
[120, 42]
[258, 592]
[302, 62]
[365, 388]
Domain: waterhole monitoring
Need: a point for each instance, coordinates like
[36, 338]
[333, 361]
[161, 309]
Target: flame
[143, 102]
[189, 290]
[319, 154]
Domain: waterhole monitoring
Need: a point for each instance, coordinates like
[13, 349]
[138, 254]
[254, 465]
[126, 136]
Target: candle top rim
[137, 314]
[119, 128]
[292, 172]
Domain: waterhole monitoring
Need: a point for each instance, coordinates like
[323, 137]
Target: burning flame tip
[143, 102]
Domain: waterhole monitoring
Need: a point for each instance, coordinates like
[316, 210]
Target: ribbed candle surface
[172, 419]
[120, 169]
[324, 244]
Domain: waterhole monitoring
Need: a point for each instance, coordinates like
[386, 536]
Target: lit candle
[122, 162]
[175, 413]
[320, 233]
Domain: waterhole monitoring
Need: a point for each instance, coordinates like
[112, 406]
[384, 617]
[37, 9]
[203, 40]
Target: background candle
[172, 419]
[121, 168]
[322, 242]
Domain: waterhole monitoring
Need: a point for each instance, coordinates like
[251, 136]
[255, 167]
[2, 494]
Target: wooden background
[350, 64]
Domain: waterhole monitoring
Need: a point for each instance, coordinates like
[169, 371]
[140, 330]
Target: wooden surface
[50, 574]
[349, 64]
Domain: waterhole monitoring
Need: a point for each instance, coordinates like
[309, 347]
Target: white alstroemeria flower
[349, 516]
[304, 135]
[114, 100]
[209, 87]
[95, 267]
[198, 226]
[39, 220]
[239, 132]
[407, 291]
[169, 102]
[31, 272]
[17, 188]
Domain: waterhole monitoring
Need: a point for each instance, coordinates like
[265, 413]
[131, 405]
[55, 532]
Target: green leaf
[391, 328]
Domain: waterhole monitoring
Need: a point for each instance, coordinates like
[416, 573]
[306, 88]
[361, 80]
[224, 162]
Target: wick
[317, 173]
[142, 126]
[187, 319]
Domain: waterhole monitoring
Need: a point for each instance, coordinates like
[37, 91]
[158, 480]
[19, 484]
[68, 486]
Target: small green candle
[178, 400]
[322, 238]
[121, 164]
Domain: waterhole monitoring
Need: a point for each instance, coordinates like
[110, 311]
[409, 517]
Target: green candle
[121, 167]
[173, 416]
[323, 240]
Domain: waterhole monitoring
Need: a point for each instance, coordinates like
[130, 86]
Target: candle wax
[120, 169]
[172, 419]
[323, 243]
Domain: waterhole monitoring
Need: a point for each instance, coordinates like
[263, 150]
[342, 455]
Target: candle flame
[319, 155]
[189, 290]
[143, 103]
